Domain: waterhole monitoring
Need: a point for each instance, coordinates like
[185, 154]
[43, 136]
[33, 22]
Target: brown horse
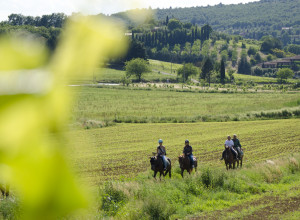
[158, 166]
[229, 158]
[185, 164]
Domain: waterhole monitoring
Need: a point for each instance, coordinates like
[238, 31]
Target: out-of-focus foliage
[35, 107]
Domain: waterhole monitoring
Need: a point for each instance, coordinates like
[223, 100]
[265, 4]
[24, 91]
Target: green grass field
[124, 149]
[127, 105]
[255, 79]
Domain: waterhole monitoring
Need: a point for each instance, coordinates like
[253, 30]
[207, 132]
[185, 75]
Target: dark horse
[240, 161]
[185, 164]
[158, 166]
[4, 190]
[229, 158]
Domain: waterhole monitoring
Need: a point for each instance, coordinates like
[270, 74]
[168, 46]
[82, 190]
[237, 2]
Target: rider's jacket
[187, 150]
[236, 143]
[161, 151]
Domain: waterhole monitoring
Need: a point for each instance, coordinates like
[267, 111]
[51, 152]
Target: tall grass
[204, 191]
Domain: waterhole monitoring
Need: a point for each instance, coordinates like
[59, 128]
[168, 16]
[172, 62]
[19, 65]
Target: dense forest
[279, 18]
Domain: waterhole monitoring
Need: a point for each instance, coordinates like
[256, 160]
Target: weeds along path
[285, 205]
[123, 150]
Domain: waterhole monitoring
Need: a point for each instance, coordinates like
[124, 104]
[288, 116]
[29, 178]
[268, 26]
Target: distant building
[281, 63]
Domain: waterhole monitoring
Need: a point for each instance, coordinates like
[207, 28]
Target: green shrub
[157, 208]
[294, 165]
[112, 199]
[206, 177]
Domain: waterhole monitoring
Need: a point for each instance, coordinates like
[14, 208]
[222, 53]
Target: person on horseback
[237, 146]
[230, 144]
[188, 152]
[161, 153]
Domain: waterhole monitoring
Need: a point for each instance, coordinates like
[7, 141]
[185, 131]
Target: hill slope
[256, 17]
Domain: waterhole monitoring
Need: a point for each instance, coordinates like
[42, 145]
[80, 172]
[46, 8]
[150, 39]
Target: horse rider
[237, 146]
[161, 153]
[230, 144]
[188, 152]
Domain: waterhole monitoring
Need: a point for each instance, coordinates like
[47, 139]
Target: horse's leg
[182, 173]
[241, 161]
[7, 190]
[234, 164]
[170, 173]
[161, 173]
[166, 173]
[155, 172]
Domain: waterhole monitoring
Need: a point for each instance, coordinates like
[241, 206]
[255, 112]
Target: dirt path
[164, 73]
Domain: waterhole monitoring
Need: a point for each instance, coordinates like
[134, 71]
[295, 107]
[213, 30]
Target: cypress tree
[222, 76]
[206, 69]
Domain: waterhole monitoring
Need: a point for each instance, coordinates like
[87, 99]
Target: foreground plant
[35, 107]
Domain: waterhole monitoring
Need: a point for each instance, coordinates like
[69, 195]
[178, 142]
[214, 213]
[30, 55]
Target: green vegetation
[284, 74]
[167, 105]
[252, 20]
[187, 70]
[137, 67]
[210, 192]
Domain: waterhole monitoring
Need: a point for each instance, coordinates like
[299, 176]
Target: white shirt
[229, 143]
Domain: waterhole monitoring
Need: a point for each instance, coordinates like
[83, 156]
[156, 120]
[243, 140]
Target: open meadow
[131, 105]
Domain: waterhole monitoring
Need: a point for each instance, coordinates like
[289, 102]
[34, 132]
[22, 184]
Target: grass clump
[10, 208]
[112, 199]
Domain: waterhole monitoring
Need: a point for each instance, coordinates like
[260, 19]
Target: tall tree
[244, 66]
[187, 70]
[206, 69]
[174, 24]
[137, 67]
[222, 74]
[284, 74]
